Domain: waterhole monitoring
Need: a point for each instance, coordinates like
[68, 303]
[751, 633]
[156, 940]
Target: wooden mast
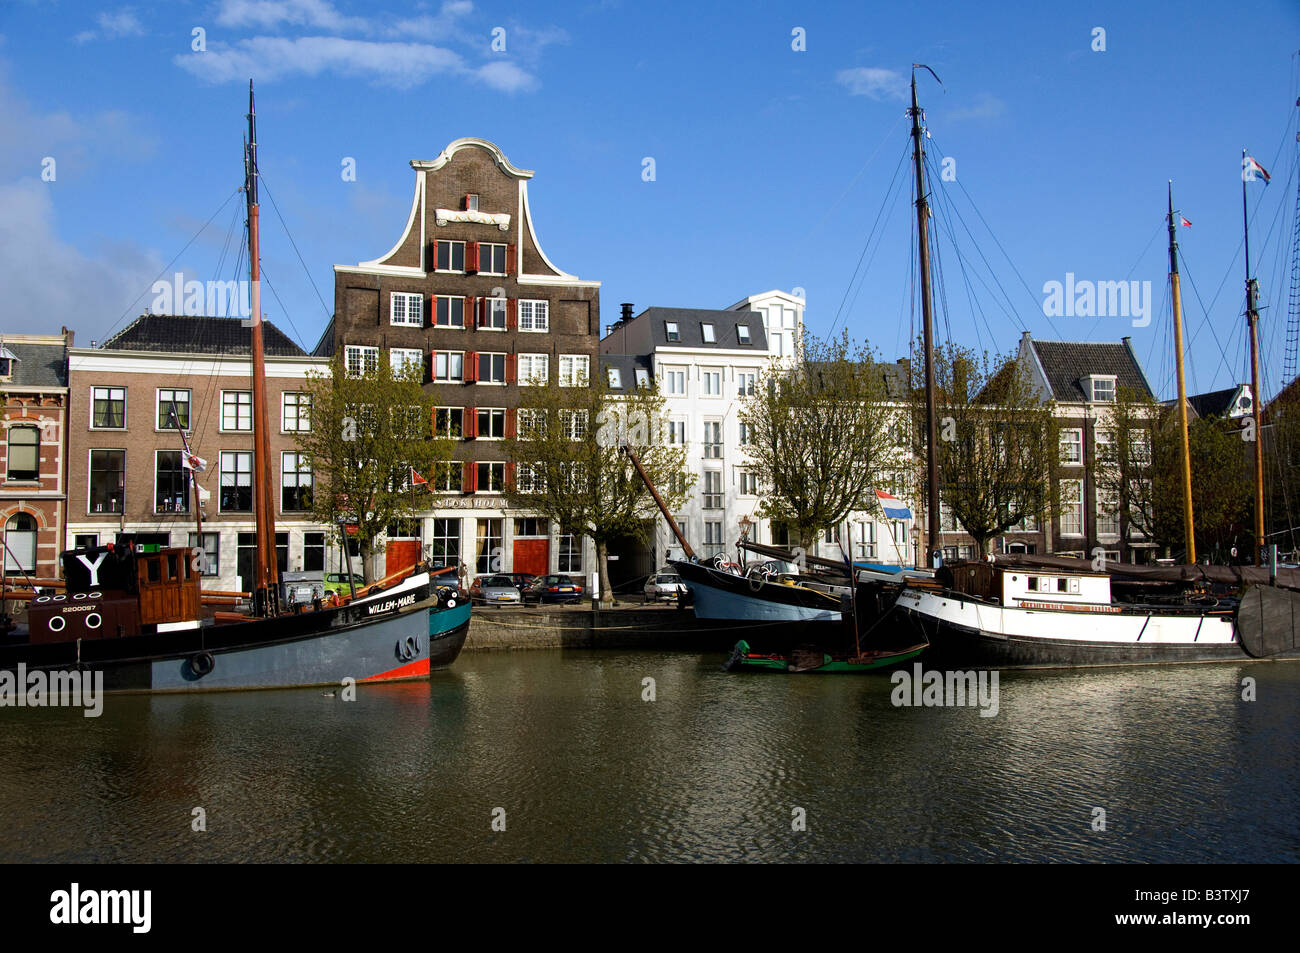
[1186, 458]
[931, 420]
[265, 575]
[1252, 322]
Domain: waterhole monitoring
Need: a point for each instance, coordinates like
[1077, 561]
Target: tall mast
[1186, 457]
[265, 572]
[931, 419]
[1252, 322]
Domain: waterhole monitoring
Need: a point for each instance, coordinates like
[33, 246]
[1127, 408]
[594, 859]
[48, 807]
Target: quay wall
[582, 627]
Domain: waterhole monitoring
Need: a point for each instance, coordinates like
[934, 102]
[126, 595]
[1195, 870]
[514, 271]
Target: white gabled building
[705, 362]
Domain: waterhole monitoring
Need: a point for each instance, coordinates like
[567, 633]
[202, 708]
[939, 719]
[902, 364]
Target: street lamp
[745, 524]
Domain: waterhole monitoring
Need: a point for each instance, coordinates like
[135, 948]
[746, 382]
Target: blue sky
[770, 163]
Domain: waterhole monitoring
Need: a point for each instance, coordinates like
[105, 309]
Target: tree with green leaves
[1139, 464]
[999, 444]
[822, 433]
[569, 467]
[368, 430]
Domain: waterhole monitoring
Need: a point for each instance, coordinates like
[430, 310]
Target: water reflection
[710, 770]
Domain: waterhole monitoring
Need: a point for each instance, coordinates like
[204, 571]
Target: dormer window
[615, 377]
[1100, 388]
[471, 202]
[642, 378]
[6, 367]
[742, 333]
[707, 329]
[671, 332]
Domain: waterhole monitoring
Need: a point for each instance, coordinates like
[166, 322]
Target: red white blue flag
[894, 510]
[1252, 171]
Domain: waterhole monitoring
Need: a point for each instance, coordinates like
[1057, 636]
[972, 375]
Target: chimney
[627, 311]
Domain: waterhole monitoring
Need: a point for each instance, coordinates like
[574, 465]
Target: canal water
[563, 749]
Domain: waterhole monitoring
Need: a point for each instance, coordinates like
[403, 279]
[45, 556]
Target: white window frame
[742, 333]
[710, 382]
[410, 355]
[451, 257]
[367, 359]
[478, 377]
[158, 405]
[450, 299]
[532, 378]
[446, 432]
[709, 332]
[449, 355]
[1071, 439]
[1068, 503]
[303, 402]
[672, 332]
[411, 308]
[110, 388]
[505, 257]
[537, 318]
[575, 363]
[494, 309]
[674, 379]
[492, 413]
[239, 405]
[746, 383]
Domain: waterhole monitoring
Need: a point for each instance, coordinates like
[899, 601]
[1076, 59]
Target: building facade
[468, 295]
[33, 496]
[126, 468]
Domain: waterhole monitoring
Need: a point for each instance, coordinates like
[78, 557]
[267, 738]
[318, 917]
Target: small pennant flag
[417, 480]
[192, 461]
[1252, 170]
[894, 510]
[1184, 222]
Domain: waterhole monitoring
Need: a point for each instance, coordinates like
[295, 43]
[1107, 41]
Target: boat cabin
[118, 590]
[1018, 586]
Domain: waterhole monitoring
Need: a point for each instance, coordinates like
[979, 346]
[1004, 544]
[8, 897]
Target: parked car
[520, 579]
[337, 582]
[497, 590]
[553, 588]
[665, 584]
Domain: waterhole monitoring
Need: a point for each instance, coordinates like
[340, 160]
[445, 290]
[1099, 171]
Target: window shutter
[469, 482]
[512, 423]
[471, 310]
[471, 372]
[510, 368]
[510, 476]
[464, 204]
[470, 425]
[471, 257]
[510, 259]
[510, 314]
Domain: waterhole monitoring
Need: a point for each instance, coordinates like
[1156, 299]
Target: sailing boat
[1030, 611]
[135, 615]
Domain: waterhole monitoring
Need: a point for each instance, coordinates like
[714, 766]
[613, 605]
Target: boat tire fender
[202, 663]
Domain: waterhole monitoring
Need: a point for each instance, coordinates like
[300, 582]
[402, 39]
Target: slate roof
[1066, 363]
[1214, 404]
[691, 334]
[39, 365]
[628, 365]
[183, 334]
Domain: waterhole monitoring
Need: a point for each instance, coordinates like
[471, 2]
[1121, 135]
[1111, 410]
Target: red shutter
[471, 370]
[470, 419]
[510, 259]
[465, 201]
[510, 368]
[469, 483]
[512, 425]
[470, 304]
[510, 314]
[510, 476]
[471, 257]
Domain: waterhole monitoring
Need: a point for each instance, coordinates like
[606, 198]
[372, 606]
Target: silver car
[663, 585]
[499, 591]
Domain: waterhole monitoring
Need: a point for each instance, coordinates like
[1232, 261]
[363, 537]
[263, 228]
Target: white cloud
[401, 65]
[49, 282]
[506, 77]
[873, 82]
[269, 14]
[986, 106]
[113, 24]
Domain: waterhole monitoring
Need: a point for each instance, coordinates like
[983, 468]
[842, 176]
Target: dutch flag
[894, 510]
[1252, 171]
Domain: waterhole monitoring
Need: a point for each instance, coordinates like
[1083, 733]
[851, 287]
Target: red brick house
[34, 384]
[468, 293]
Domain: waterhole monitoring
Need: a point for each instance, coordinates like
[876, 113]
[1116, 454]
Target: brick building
[125, 469]
[34, 384]
[468, 293]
